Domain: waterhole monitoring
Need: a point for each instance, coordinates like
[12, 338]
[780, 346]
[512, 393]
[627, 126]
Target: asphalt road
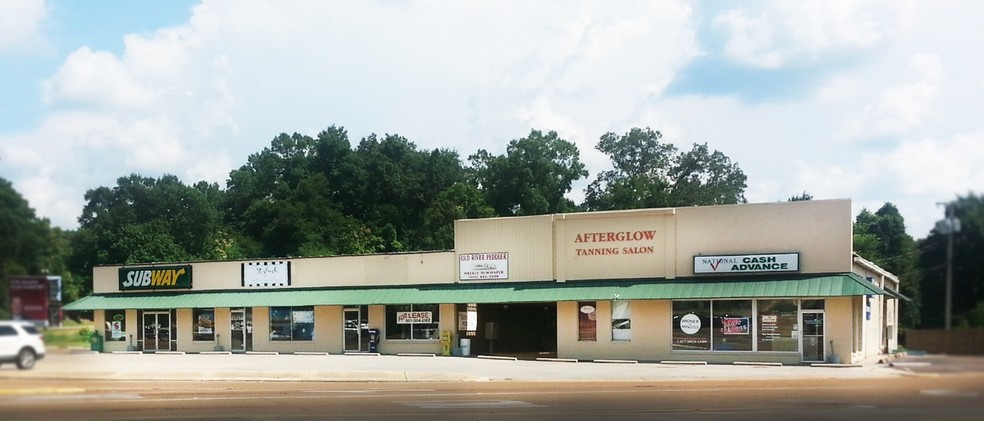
[78, 387]
[955, 397]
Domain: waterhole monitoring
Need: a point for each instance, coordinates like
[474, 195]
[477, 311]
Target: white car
[20, 343]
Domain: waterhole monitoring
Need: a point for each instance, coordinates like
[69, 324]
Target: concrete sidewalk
[61, 364]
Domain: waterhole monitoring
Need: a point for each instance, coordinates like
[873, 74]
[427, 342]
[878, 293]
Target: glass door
[356, 328]
[157, 331]
[353, 335]
[241, 330]
[812, 337]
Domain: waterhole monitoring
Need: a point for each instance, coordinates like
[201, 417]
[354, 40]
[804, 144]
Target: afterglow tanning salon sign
[750, 263]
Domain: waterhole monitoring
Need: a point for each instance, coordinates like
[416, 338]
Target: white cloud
[21, 24]
[938, 167]
[897, 109]
[771, 34]
[96, 79]
[196, 99]
[900, 122]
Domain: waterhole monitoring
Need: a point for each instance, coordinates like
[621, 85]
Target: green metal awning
[897, 295]
[834, 285]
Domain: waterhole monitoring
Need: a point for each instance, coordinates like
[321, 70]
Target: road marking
[949, 393]
[41, 391]
[496, 404]
[96, 396]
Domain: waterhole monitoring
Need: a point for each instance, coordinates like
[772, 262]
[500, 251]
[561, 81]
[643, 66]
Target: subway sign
[157, 277]
[747, 263]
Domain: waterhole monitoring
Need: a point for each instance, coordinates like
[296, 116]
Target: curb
[756, 363]
[558, 360]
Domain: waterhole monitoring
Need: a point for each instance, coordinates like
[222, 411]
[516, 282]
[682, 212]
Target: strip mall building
[774, 282]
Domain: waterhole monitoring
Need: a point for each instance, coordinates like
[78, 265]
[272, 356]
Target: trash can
[465, 347]
[373, 340]
[96, 342]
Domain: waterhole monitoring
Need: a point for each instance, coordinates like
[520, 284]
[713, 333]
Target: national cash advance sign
[158, 277]
[747, 263]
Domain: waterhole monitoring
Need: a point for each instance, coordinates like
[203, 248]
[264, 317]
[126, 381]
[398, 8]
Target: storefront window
[812, 304]
[732, 325]
[777, 329]
[691, 325]
[621, 321]
[587, 321]
[291, 323]
[203, 324]
[412, 322]
[115, 325]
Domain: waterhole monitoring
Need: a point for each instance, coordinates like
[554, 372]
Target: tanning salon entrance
[523, 330]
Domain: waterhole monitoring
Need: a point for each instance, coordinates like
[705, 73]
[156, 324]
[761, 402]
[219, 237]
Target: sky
[873, 101]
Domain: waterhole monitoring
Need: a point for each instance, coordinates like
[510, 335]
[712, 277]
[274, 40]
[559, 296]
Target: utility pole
[949, 226]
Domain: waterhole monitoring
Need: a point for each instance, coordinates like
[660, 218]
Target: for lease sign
[411, 317]
[750, 263]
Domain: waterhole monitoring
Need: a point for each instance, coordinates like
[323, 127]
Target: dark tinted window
[31, 329]
[7, 331]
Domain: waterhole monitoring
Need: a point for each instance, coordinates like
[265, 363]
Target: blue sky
[67, 25]
[873, 100]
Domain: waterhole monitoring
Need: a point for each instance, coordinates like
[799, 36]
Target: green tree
[881, 238]
[647, 173]
[25, 249]
[460, 201]
[270, 201]
[531, 178]
[968, 267]
[144, 219]
[801, 197]
[306, 196]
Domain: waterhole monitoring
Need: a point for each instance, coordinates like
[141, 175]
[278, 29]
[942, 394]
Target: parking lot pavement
[391, 368]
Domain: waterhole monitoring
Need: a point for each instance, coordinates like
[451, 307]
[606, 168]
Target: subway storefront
[774, 282]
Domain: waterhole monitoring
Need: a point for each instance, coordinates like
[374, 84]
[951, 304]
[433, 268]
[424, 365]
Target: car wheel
[25, 359]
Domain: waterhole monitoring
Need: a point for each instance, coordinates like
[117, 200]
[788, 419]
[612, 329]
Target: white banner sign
[751, 263]
[408, 317]
[483, 266]
[270, 274]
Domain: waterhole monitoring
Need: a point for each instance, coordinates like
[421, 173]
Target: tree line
[322, 196]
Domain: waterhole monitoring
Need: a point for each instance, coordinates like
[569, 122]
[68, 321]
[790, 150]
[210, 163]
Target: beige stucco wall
[447, 321]
[552, 247]
[528, 240]
[661, 243]
[650, 332]
[651, 337]
[384, 269]
[881, 331]
[642, 246]
[820, 230]
[839, 313]
[328, 333]
[328, 336]
[606, 245]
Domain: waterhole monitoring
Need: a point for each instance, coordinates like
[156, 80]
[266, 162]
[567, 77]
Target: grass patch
[76, 335]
